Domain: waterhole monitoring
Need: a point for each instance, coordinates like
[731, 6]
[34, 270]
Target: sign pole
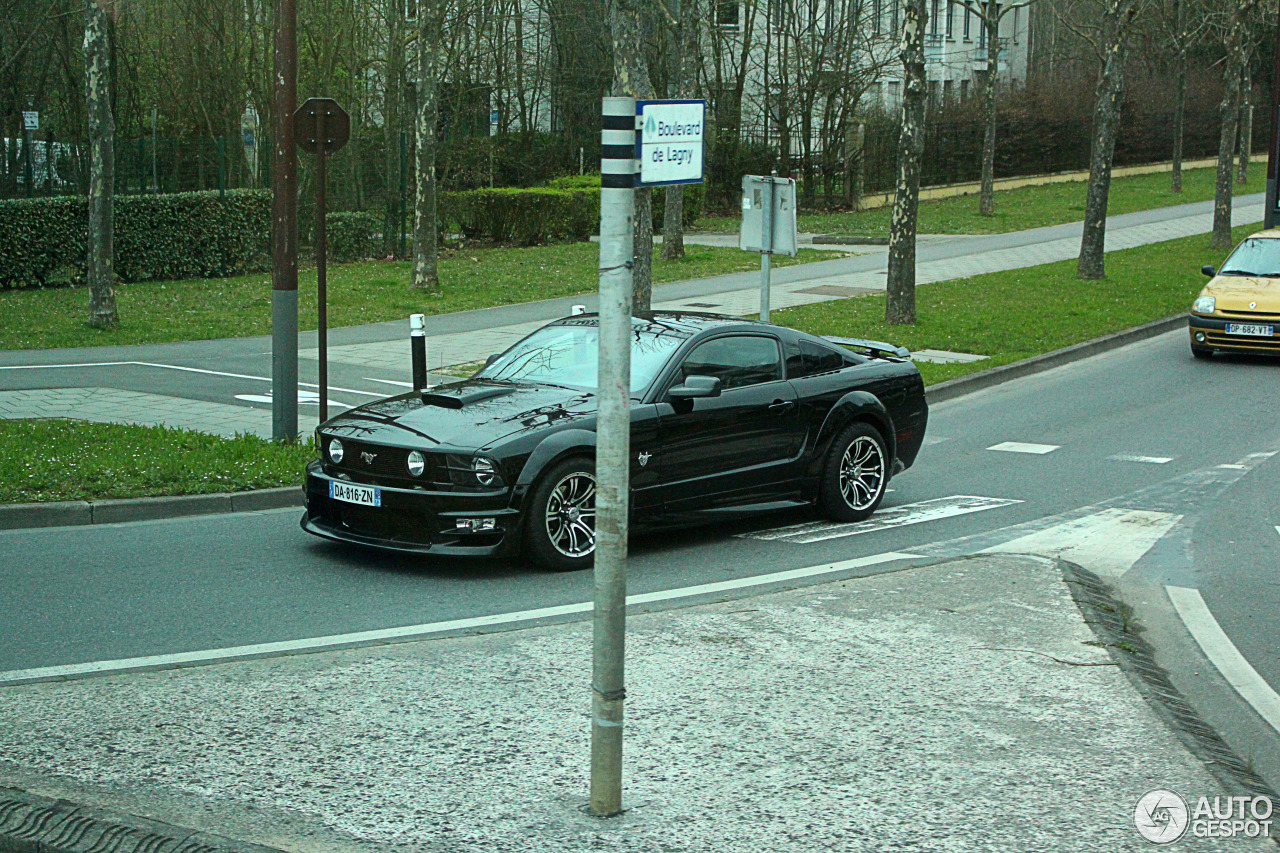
[613, 451]
[284, 229]
[766, 252]
[322, 269]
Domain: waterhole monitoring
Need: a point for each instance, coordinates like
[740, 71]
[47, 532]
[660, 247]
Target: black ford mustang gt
[728, 417]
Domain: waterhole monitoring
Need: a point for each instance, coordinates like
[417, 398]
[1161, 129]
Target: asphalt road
[76, 595]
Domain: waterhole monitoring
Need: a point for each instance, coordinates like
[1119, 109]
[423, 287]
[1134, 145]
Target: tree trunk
[631, 77]
[1179, 118]
[393, 218]
[100, 271]
[1245, 144]
[682, 84]
[425, 230]
[987, 197]
[1235, 65]
[900, 303]
[1106, 120]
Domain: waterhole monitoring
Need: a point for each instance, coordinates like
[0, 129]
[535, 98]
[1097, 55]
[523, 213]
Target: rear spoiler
[875, 349]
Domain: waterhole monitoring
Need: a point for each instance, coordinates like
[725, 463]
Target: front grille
[1263, 316]
[1218, 339]
[386, 461]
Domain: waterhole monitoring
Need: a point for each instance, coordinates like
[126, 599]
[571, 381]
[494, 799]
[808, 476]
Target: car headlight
[335, 451]
[417, 463]
[486, 472]
[1204, 305]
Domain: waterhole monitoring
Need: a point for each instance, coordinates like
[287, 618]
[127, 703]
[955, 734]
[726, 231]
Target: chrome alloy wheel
[571, 515]
[862, 472]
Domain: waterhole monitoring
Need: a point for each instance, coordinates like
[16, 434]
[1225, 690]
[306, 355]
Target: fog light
[417, 463]
[473, 525]
[335, 451]
[1199, 337]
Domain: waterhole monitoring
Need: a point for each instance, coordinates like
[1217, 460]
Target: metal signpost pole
[1271, 216]
[284, 229]
[613, 450]
[322, 269]
[766, 251]
[418, 350]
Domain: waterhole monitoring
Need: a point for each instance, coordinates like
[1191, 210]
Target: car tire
[560, 525]
[854, 474]
[1202, 352]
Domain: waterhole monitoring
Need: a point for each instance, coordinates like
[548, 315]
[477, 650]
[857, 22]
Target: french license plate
[1250, 329]
[353, 494]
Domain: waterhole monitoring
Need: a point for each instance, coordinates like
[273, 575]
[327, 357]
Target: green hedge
[175, 236]
[353, 236]
[694, 197]
[525, 217]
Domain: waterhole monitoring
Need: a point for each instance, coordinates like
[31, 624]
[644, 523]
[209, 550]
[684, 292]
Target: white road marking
[1235, 467]
[389, 382]
[1278, 528]
[895, 516]
[1217, 646]
[1106, 543]
[1130, 457]
[305, 398]
[1023, 447]
[414, 632]
[179, 367]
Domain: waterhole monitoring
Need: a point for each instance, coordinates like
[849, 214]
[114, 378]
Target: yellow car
[1239, 311]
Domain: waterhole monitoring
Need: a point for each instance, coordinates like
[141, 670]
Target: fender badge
[1253, 305]
[644, 459]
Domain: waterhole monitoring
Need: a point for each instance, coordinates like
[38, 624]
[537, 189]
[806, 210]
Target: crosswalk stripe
[896, 516]
[1132, 457]
[1024, 447]
[1106, 543]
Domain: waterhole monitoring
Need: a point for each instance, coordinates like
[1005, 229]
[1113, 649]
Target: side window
[737, 360]
[815, 358]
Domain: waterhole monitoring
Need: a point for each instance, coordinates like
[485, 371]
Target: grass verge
[365, 292]
[63, 460]
[1021, 208]
[1017, 314]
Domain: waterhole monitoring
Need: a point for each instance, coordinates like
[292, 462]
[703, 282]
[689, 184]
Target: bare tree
[392, 101]
[100, 271]
[1234, 69]
[431, 14]
[990, 13]
[1105, 25]
[900, 302]
[1245, 145]
[1178, 30]
[684, 22]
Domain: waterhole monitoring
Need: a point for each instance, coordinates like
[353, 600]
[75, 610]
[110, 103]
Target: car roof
[683, 322]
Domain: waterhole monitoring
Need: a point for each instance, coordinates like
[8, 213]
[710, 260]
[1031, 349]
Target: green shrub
[694, 196]
[575, 182]
[353, 236]
[524, 217]
[175, 236]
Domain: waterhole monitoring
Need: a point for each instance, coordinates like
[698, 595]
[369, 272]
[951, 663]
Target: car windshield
[567, 354]
[1256, 256]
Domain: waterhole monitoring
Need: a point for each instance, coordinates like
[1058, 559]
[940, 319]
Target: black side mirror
[696, 387]
[491, 359]
[1208, 270]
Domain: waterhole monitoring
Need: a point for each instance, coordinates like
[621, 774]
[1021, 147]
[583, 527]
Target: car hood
[1235, 292]
[472, 414]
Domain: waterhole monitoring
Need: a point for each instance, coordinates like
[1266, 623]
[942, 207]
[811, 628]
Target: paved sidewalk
[956, 707]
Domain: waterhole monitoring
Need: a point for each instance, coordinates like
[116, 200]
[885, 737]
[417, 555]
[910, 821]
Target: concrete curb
[32, 824]
[849, 240]
[953, 388]
[73, 513]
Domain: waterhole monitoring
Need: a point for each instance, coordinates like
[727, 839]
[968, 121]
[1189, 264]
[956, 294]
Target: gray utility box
[756, 193]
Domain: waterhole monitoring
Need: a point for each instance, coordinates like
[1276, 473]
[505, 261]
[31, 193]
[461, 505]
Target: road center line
[414, 632]
[1218, 647]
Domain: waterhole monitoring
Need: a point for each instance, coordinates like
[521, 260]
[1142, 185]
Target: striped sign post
[613, 449]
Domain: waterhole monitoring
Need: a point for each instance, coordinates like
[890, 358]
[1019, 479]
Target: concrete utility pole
[284, 229]
[613, 451]
[1270, 216]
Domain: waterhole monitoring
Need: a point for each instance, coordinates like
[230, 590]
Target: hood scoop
[456, 398]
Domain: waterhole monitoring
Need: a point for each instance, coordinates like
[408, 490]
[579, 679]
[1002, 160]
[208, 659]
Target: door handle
[780, 406]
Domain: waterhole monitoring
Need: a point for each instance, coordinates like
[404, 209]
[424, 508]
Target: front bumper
[1215, 335]
[415, 521]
